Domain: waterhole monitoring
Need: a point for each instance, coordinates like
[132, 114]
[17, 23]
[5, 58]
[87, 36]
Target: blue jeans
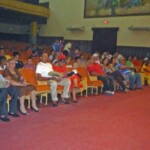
[108, 82]
[14, 93]
[135, 80]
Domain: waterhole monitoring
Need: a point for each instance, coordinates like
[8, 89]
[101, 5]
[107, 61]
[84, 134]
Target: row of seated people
[54, 57]
[110, 70]
[15, 79]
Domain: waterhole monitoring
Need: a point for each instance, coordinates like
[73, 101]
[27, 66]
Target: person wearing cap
[134, 78]
[96, 58]
[73, 76]
[67, 49]
[95, 69]
[42, 70]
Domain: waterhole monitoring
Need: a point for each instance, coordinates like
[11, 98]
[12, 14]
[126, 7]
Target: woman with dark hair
[78, 63]
[19, 63]
[111, 71]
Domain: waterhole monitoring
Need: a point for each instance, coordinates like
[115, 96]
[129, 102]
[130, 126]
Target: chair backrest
[36, 60]
[28, 53]
[84, 73]
[29, 75]
[69, 69]
[1, 71]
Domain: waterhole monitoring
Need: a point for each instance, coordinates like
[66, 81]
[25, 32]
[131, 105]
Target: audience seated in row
[112, 70]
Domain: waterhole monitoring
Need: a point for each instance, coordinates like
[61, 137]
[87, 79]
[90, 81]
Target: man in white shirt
[42, 70]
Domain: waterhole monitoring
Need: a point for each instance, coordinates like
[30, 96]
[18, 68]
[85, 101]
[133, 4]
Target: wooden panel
[25, 8]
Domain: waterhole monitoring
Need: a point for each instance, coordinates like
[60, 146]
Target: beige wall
[65, 13]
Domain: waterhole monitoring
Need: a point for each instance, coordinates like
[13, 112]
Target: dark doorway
[104, 39]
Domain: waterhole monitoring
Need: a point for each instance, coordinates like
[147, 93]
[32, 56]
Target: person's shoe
[5, 118]
[54, 104]
[112, 92]
[132, 89]
[74, 101]
[14, 115]
[108, 93]
[139, 88]
[65, 101]
[36, 110]
[126, 90]
[24, 113]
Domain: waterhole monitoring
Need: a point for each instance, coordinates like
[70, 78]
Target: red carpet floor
[120, 122]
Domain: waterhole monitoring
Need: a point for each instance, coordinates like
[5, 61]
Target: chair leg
[92, 90]
[29, 104]
[86, 92]
[81, 92]
[41, 102]
[8, 105]
[46, 99]
[96, 90]
[28, 98]
[101, 88]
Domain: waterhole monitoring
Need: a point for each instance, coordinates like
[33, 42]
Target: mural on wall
[104, 8]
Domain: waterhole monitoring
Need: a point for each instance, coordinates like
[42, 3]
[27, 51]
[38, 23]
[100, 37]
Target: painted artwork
[107, 8]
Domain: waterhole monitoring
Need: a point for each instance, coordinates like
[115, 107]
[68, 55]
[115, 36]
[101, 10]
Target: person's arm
[94, 73]
[40, 78]
[75, 65]
[123, 67]
[111, 67]
[13, 82]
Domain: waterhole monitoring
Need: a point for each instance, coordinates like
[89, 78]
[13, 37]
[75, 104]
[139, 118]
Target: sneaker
[112, 92]
[108, 93]
[126, 90]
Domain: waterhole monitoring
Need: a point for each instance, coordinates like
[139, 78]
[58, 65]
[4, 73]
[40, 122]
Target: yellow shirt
[8, 57]
[143, 67]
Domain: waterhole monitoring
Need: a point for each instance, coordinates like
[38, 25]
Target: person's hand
[7, 84]
[25, 83]
[64, 75]
[57, 79]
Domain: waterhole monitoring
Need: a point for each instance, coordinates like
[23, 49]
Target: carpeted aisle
[120, 122]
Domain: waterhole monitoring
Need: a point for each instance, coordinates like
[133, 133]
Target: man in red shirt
[95, 69]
